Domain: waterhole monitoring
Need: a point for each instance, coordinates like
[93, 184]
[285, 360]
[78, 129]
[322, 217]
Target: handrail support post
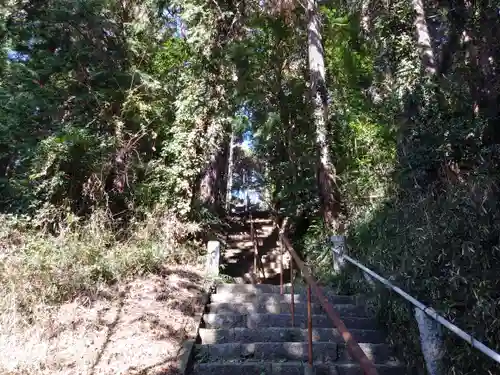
[309, 325]
[281, 266]
[292, 295]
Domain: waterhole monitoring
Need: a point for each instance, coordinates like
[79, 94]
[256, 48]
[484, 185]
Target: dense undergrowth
[438, 239]
[417, 163]
[443, 248]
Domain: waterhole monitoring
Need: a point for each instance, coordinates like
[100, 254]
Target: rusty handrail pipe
[256, 258]
[252, 238]
[352, 345]
[281, 267]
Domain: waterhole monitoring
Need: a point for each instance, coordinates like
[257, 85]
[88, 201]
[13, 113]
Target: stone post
[339, 248]
[369, 280]
[213, 258]
[431, 341]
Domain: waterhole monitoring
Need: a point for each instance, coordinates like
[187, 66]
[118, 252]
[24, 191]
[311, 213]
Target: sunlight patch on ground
[138, 327]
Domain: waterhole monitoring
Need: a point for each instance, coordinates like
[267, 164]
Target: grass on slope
[83, 302]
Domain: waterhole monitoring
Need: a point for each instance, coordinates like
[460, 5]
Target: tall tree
[423, 38]
[327, 176]
[229, 171]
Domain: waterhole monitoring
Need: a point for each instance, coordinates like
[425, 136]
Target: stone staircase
[238, 257]
[246, 330]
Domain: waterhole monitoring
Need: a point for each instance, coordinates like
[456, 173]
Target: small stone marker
[213, 258]
[339, 248]
[431, 340]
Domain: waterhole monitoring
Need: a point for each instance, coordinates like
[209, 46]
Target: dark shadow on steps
[275, 279]
[266, 247]
[238, 259]
[270, 242]
[255, 339]
[238, 265]
[237, 225]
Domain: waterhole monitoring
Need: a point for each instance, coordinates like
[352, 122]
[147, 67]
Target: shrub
[442, 247]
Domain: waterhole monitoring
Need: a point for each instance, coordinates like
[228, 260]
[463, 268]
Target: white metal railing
[427, 310]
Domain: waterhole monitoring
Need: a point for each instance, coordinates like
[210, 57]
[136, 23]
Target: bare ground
[134, 328]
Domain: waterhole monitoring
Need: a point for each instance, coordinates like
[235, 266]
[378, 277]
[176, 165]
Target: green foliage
[418, 173]
[109, 116]
[280, 114]
[109, 106]
[80, 101]
[437, 236]
[442, 248]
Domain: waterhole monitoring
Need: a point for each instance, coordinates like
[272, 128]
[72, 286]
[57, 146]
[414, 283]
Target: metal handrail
[256, 260]
[353, 347]
[427, 310]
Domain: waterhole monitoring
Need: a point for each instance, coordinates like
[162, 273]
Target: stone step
[274, 257]
[232, 320]
[269, 272]
[291, 368]
[283, 307]
[290, 351]
[273, 264]
[284, 334]
[242, 248]
[277, 298]
[261, 288]
[238, 240]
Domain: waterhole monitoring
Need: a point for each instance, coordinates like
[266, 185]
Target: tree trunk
[471, 61]
[486, 41]
[328, 189]
[286, 131]
[211, 186]
[487, 58]
[365, 19]
[222, 161]
[207, 190]
[230, 167]
[423, 38]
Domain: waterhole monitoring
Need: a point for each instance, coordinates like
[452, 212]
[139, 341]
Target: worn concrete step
[260, 288]
[269, 272]
[275, 269]
[235, 241]
[275, 257]
[231, 320]
[276, 298]
[274, 266]
[235, 251]
[290, 368]
[283, 334]
[283, 307]
[290, 351]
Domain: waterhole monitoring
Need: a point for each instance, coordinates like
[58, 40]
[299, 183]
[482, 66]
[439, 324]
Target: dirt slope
[135, 328]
